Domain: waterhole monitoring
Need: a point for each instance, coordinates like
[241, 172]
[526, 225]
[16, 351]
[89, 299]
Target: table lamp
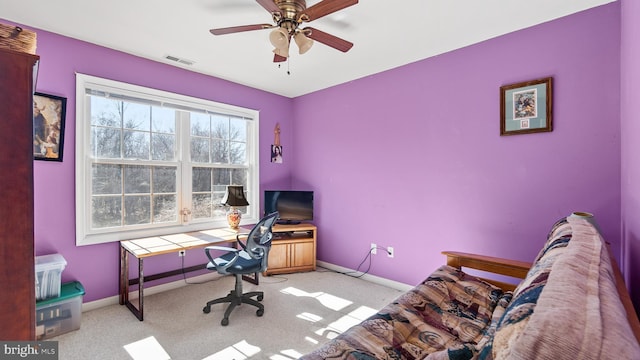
[234, 197]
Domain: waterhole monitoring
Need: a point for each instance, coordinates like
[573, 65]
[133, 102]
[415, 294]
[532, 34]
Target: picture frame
[526, 107]
[49, 112]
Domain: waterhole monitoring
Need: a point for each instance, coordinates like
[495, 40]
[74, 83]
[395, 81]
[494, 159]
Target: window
[149, 162]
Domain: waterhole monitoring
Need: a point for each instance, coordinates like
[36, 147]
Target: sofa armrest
[513, 268]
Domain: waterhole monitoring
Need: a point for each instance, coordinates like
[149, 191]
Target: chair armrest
[222, 248]
[508, 267]
[243, 245]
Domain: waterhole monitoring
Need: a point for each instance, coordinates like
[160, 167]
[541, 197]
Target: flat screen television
[294, 206]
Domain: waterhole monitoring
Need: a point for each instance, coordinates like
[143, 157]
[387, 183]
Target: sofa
[570, 304]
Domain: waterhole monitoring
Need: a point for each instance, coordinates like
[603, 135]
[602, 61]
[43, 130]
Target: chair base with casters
[235, 298]
[250, 258]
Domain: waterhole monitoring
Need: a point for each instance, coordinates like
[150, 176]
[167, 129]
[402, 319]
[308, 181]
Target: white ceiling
[386, 34]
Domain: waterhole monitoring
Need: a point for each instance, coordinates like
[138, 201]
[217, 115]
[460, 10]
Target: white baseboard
[371, 278]
[113, 300]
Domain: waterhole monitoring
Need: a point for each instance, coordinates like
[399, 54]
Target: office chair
[249, 259]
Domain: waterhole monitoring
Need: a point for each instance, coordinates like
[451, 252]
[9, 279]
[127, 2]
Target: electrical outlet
[390, 251]
[182, 253]
[374, 249]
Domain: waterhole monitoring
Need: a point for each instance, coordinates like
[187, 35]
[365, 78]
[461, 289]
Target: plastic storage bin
[62, 314]
[48, 275]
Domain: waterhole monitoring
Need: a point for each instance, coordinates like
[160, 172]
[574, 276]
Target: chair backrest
[259, 239]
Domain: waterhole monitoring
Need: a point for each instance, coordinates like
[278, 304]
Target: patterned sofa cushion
[449, 310]
[510, 326]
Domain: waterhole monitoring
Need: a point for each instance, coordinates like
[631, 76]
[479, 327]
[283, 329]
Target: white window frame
[84, 161]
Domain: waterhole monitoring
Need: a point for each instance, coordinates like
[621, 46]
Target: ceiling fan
[288, 15]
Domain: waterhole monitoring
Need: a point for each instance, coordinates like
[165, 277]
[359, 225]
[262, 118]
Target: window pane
[137, 210]
[221, 178]
[165, 208]
[239, 177]
[163, 147]
[106, 179]
[106, 211]
[163, 120]
[201, 206]
[219, 151]
[137, 116]
[136, 145]
[199, 150]
[238, 153]
[220, 126]
[137, 179]
[217, 202]
[164, 179]
[201, 179]
[238, 129]
[105, 143]
[105, 112]
[200, 124]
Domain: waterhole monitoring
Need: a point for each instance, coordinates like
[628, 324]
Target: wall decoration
[48, 126]
[276, 148]
[526, 107]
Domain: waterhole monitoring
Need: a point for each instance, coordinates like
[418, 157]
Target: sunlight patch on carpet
[147, 349]
[345, 322]
[311, 340]
[363, 313]
[330, 301]
[309, 317]
[286, 355]
[238, 351]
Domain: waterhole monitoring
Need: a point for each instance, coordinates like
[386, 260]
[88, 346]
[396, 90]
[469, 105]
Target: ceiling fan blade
[235, 29]
[277, 58]
[269, 5]
[326, 7]
[328, 39]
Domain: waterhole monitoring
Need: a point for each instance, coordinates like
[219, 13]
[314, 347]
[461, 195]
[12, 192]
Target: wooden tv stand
[293, 249]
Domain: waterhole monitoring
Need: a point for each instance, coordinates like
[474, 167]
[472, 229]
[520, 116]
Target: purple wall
[630, 134]
[412, 157]
[96, 266]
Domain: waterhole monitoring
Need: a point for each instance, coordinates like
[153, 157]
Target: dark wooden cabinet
[17, 278]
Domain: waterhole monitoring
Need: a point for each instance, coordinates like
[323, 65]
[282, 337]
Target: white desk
[158, 245]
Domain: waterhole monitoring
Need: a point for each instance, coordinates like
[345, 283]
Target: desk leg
[140, 290]
[124, 276]
[252, 279]
[138, 312]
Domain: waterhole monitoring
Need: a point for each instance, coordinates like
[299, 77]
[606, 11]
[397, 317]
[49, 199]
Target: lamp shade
[235, 196]
[303, 42]
[279, 38]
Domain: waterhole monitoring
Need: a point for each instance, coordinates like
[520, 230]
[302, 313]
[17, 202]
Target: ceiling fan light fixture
[303, 42]
[279, 38]
[281, 52]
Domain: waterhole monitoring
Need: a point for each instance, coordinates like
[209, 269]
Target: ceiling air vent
[179, 60]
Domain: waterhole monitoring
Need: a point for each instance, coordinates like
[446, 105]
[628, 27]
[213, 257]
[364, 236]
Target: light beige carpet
[301, 311]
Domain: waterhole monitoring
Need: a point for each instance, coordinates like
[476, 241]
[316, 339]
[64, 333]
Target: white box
[60, 315]
[49, 275]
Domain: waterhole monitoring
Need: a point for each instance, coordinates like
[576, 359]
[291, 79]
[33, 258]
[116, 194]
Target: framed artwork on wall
[48, 126]
[526, 107]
